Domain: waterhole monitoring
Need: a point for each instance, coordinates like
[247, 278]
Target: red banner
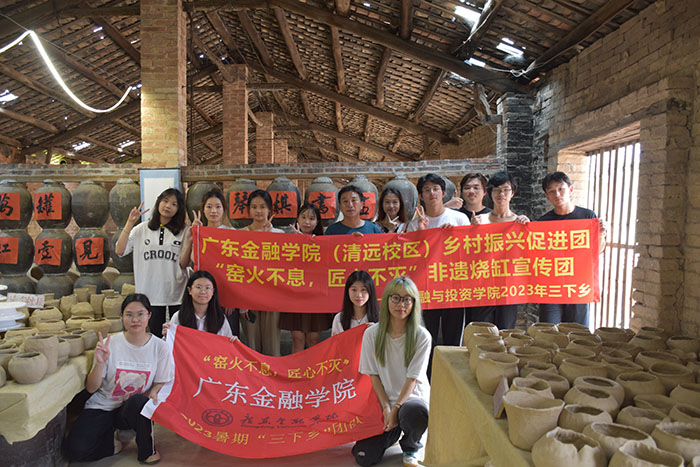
[231, 399]
[47, 206]
[494, 264]
[48, 251]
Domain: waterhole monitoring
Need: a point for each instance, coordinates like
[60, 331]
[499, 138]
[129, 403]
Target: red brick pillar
[235, 117]
[163, 79]
[264, 138]
[281, 151]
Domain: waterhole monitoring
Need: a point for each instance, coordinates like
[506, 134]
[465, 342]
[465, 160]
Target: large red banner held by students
[231, 399]
[493, 264]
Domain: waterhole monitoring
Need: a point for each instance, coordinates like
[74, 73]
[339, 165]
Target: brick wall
[476, 143]
[643, 74]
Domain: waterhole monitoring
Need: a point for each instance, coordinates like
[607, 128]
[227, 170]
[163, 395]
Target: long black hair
[265, 197]
[402, 208]
[136, 297]
[318, 230]
[215, 314]
[177, 223]
[213, 193]
[372, 305]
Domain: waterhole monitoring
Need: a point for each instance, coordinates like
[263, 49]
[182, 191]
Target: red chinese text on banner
[284, 204]
[494, 264]
[369, 205]
[325, 202]
[89, 250]
[48, 251]
[231, 399]
[238, 204]
[9, 206]
[47, 206]
[8, 250]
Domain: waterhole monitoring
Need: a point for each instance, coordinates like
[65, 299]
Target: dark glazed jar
[123, 197]
[450, 189]
[90, 204]
[15, 205]
[195, 193]
[370, 197]
[286, 201]
[91, 250]
[96, 279]
[52, 205]
[323, 194]
[237, 202]
[53, 251]
[408, 191]
[58, 284]
[19, 283]
[16, 251]
[122, 263]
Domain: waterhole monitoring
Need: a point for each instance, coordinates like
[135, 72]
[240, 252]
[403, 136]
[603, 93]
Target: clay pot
[480, 338]
[116, 324]
[63, 351]
[508, 332]
[408, 191]
[648, 342]
[82, 309]
[17, 336]
[96, 302]
[122, 263]
[592, 398]
[67, 303]
[52, 205]
[552, 336]
[585, 335]
[652, 331]
[532, 330]
[77, 345]
[99, 326]
[530, 354]
[616, 366]
[12, 189]
[561, 447]
[684, 343]
[633, 454]
[286, 201]
[557, 383]
[6, 355]
[50, 325]
[112, 306]
[671, 374]
[648, 357]
[518, 340]
[641, 419]
[655, 401]
[18, 283]
[566, 328]
[684, 357]
[687, 393]
[593, 346]
[193, 198]
[89, 337]
[572, 368]
[612, 334]
[602, 384]
[124, 282]
[51, 246]
[45, 314]
[59, 284]
[109, 292]
[28, 368]
[124, 196]
[577, 352]
[25, 252]
[237, 198]
[77, 321]
[607, 353]
[538, 366]
[90, 204]
[612, 436]
[678, 437]
[450, 189]
[529, 417]
[632, 349]
[7, 345]
[483, 348]
[47, 345]
[83, 294]
[536, 386]
[323, 194]
[91, 250]
[476, 327]
[370, 196]
[685, 413]
[639, 383]
[128, 289]
[3, 377]
[492, 367]
[577, 417]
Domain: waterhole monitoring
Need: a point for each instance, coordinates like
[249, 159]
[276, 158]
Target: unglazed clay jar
[82, 309]
[557, 383]
[652, 331]
[532, 330]
[585, 335]
[99, 325]
[678, 437]
[578, 352]
[477, 327]
[687, 393]
[685, 413]
[572, 368]
[28, 368]
[492, 367]
[612, 436]
[6, 355]
[518, 340]
[66, 303]
[607, 353]
[566, 328]
[112, 306]
[47, 345]
[577, 417]
[561, 447]
[483, 338]
[89, 337]
[117, 324]
[538, 366]
[77, 345]
[639, 383]
[530, 416]
[530, 354]
[96, 300]
[648, 342]
[633, 454]
[684, 343]
[45, 314]
[671, 374]
[641, 419]
[586, 344]
[51, 325]
[647, 357]
[617, 366]
[612, 334]
[626, 346]
[77, 321]
[602, 384]
[483, 348]
[83, 294]
[536, 386]
[551, 336]
[592, 398]
[655, 401]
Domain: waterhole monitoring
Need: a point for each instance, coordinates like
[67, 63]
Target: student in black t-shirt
[473, 190]
[557, 189]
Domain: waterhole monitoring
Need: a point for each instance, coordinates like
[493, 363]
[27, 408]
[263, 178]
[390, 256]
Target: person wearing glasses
[431, 189]
[395, 356]
[129, 368]
[200, 307]
[501, 188]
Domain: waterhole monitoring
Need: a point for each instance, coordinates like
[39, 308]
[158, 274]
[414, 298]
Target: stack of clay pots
[91, 245]
[123, 197]
[15, 242]
[582, 398]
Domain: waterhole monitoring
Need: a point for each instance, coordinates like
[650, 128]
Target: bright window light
[508, 41]
[467, 13]
[476, 62]
[7, 96]
[509, 49]
[367, 4]
[83, 145]
[126, 144]
[97, 29]
[135, 41]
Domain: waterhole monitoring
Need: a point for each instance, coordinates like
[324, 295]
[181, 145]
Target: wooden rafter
[488, 15]
[571, 6]
[324, 149]
[365, 133]
[10, 141]
[435, 82]
[381, 71]
[109, 147]
[125, 126]
[550, 13]
[118, 38]
[24, 118]
[101, 12]
[291, 44]
[406, 19]
[34, 16]
[531, 20]
[590, 25]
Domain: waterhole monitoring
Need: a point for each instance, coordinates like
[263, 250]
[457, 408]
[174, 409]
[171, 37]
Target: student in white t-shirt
[395, 355]
[200, 307]
[359, 303]
[129, 368]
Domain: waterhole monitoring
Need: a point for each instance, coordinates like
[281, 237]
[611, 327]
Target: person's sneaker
[154, 459]
[410, 459]
[118, 446]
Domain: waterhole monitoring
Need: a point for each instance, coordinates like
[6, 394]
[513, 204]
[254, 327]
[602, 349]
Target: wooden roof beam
[110, 147]
[571, 6]
[125, 126]
[34, 16]
[365, 133]
[220, 27]
[10, 141]
[24, 118]
[289, 41]
[213, 58]
[602, 15]
[255, 38]
[435, 82]
[101, 12]
[488, 15]
[325, 149]
[118, 38]
[381, 71]
[543, 25]
[406, 19]
[550, 13]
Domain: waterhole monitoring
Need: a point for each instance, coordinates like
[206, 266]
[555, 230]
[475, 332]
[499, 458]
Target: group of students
[396, 350]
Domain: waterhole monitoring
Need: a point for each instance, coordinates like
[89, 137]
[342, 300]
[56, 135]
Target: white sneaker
[410, 459]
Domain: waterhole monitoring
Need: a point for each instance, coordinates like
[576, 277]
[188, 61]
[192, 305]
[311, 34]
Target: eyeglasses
[501, 191]
[206, 288]
[133, 316]
[396, 299]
